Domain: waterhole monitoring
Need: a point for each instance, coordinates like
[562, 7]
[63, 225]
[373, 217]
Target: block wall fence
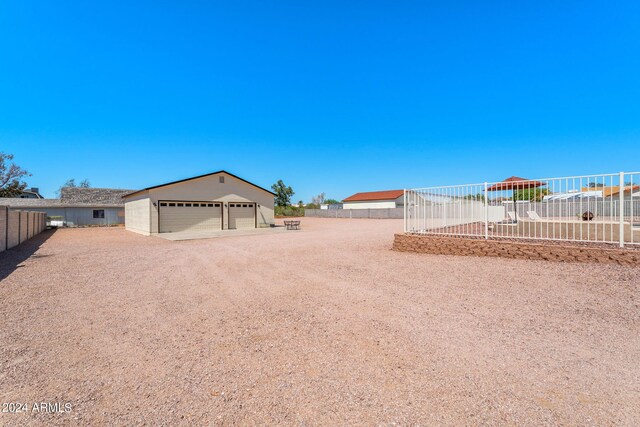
[380, 213]
[19, 226]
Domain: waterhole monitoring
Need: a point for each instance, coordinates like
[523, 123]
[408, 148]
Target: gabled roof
[515, 183]
[375, 195]
[198, 177]
[80, 195]
[18, 203]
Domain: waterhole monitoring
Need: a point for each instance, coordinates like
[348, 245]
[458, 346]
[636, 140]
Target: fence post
[404, 210]
[486, 212]
[622, 209]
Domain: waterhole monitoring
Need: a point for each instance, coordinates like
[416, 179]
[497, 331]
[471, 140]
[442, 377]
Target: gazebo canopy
[515, 183]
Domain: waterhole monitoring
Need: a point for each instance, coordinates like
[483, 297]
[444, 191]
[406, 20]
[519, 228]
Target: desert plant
[285, 211]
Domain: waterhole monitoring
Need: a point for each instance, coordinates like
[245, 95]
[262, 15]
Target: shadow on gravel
[11, 259]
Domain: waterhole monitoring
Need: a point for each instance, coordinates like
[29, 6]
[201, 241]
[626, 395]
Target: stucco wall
[137, 211]
[206, 188]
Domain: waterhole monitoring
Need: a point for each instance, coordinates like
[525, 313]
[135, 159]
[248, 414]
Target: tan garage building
[215, 201]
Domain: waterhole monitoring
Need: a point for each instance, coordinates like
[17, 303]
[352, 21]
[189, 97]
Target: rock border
[442, 245]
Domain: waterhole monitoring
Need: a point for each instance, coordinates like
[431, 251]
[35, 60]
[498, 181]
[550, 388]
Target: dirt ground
[323, 326]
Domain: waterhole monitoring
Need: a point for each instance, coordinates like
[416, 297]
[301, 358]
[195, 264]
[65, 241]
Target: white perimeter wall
[374, 204]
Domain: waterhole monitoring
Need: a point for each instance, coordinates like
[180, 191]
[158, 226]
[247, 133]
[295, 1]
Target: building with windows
[77, 206]
[375, 200]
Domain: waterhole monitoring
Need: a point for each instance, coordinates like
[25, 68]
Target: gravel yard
[322, 326]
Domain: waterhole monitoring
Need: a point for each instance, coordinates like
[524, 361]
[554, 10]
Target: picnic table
[292, 224]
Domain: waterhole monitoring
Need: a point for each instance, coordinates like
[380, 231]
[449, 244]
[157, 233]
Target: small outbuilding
[375, 200]
[215, 201]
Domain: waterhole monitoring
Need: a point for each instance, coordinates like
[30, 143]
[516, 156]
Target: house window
[221, 179]
[98, 213]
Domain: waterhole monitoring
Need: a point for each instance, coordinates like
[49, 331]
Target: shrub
[285, 211]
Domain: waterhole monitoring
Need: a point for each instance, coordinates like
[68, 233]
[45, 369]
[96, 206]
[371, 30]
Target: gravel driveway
[323, 326]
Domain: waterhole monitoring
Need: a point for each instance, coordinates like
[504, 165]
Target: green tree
[11, 184]
[283, 193]
[531, 194]
[332, 202]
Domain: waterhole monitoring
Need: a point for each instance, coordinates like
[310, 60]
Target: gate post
[622, 209]
[486, 212]
[404, 200]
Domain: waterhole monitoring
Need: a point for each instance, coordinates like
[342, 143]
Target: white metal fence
[601, 208]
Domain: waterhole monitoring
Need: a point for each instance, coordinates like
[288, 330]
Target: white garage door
[190, 216]
[242, 215]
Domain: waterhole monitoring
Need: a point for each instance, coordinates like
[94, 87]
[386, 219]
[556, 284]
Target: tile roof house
[614, 190]
[77, 206]
[375, 200]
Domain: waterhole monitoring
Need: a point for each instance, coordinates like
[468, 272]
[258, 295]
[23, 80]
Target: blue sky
[334, 97]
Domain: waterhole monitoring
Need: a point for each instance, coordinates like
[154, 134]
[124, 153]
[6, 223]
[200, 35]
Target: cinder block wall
[19, 226]
[381, 213]
[439, 245]
[30, 217]
[4, 212]
[14, 229]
